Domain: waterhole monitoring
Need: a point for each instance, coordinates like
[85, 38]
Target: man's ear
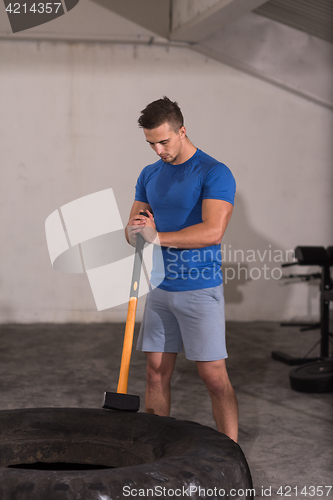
[182, 132]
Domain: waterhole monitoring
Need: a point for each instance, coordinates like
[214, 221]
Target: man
[191, 196]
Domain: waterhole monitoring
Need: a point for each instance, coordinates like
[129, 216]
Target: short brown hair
[161, 111]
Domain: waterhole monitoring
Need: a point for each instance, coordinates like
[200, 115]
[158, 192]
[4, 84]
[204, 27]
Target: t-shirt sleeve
[219, 184]
[140, 188]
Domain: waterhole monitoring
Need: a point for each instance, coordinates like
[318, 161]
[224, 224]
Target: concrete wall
[68, 129]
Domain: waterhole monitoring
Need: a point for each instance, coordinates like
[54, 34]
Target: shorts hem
[157, 350]
[206, 360]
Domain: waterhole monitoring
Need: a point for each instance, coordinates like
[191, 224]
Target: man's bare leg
[224, 402]
[160, 367]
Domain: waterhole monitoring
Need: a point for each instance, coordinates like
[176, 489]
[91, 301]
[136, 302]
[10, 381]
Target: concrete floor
[286, 436]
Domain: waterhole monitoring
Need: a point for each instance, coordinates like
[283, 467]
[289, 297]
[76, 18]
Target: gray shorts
[193, 319]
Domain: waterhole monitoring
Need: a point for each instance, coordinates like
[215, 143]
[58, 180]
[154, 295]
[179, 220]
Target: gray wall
[68, 129]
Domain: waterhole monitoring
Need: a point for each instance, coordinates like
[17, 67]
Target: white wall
[68, 128]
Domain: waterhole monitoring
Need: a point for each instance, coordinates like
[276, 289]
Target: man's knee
[215, 377]
[217, 387]
[159, 369]
[154, 375]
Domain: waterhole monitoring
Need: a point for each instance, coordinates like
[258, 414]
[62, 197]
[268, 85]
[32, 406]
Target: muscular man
[191, 196]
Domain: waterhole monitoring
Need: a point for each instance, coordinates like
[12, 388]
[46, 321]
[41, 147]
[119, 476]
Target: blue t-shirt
[175, 194]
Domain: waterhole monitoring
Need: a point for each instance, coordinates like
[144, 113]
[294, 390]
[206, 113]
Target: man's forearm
[197, 236]
[215, 217]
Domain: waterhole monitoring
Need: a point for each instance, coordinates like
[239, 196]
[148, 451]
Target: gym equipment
[315, 375]
[125, 453]
[120, 400]
[313, 256]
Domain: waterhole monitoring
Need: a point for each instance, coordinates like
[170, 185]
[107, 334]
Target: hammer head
[121, 402]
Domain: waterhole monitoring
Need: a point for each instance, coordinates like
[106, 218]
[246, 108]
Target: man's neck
[186, 153]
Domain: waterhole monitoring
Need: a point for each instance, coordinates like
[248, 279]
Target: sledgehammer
[120, 400]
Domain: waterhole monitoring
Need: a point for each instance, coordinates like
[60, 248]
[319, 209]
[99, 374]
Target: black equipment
[314, 374]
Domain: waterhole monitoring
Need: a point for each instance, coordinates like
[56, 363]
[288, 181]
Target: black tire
[313, 377]
[144, 451]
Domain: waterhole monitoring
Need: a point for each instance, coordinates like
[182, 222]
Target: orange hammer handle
[131, 313]
[127, 346]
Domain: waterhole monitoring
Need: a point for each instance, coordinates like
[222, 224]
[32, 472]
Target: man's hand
[149, 231]
[143, 225]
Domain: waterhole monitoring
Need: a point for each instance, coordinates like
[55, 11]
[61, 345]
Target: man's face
[166, 143]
